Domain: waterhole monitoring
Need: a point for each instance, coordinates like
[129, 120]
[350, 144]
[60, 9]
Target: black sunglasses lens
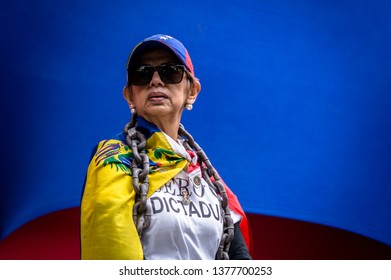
[141, 75]
[170, 74]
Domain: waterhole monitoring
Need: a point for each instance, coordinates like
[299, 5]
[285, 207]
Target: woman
[151, 192]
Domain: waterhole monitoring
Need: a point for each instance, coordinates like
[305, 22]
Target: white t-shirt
[180, 230]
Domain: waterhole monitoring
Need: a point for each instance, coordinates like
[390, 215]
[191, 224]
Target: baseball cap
[165, 41]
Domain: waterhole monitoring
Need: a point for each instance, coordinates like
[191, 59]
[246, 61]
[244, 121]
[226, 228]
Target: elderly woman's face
[158, 101]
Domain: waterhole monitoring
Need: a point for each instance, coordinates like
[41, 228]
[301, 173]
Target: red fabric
[245, 228]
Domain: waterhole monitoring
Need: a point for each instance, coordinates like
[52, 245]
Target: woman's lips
[157, 96]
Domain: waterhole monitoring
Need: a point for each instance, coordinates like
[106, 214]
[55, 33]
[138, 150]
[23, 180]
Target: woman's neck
[169, 126]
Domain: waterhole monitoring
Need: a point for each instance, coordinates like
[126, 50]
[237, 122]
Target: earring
[132, 110]
[189, 106]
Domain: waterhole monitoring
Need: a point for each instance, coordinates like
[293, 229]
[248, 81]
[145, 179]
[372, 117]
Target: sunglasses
[169, 74]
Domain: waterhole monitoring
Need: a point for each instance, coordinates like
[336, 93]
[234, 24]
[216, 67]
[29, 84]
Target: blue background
[294, 111]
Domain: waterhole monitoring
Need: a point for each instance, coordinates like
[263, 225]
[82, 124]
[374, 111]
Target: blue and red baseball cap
[165, 41]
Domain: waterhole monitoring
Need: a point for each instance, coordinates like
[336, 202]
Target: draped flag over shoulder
[107, 227]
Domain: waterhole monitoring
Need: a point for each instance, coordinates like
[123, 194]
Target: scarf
[107, 227]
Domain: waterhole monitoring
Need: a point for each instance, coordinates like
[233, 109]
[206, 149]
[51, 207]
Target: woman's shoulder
[111, 150]
[114, 142]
